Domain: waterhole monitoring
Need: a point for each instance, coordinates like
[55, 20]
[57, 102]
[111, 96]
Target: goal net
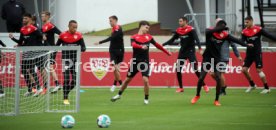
[39, 79]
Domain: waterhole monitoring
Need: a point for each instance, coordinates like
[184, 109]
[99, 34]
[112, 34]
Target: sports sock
[115, 82]
[57, 83]
[120, 92]
[266, 86]
[120, 82]
[252, 84]
[146, 97]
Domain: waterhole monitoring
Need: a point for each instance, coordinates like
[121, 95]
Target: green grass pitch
[167, 111]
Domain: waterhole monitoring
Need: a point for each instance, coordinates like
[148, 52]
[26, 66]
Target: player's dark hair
[46, 13]
[221, 22]
[27, 15]
[184, 18]
[142, 23]
[34, 18]
[72, 21]
[114, 17]
[249, 18]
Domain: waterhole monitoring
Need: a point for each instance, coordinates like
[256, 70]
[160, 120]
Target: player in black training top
[30, 36]
[70, 38]
[49, 30]
[140, 62]
[188, 40]
[116, 49]
[2, 94]
[215, 38]
[225, 57]
[252, 35]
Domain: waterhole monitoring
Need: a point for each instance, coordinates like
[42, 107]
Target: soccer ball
[67, 121]
[103, 121]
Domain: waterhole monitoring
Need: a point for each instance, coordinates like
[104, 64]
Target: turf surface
[167, 111]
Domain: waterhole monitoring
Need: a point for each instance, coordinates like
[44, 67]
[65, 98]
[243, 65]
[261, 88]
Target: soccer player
[49, 30]
[224, 52]
[215, 38]
[29, 36]
[2, 94]
[39, 62]
[252, 35]
[225, 55]
[188, 39]
[70, 38]
[140, 62]
[116, 49]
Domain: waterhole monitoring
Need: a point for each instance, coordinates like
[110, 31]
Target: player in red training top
[188, 40]
[30, 36]
[252, 35]
[215, 38]
[49, 30]
[140, 62]
[70, 38]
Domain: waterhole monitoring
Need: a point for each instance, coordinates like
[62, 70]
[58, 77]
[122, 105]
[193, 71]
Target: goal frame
[16, 87]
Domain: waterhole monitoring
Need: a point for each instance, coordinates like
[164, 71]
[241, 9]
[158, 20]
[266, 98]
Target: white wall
[66, 11]
[93, 14]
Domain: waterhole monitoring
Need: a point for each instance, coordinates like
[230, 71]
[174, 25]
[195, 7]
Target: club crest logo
[75, 36]
[99, 67]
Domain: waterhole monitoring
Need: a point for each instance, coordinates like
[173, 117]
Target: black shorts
[210, 64]
[139, 66]
[116, 56]
[53, 58]
[27, 64]
[248, 61]
[191, 57]
[40, 62]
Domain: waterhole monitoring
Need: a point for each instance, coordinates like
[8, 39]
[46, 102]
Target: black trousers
[69, 76]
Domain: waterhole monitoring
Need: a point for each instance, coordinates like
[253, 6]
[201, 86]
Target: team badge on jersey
[75, 36]
[147, 37]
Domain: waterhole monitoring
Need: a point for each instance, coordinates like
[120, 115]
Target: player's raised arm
[171, 41]
[116, 35]
[160, 47]
[210, 31]
[268, 35]
[117, 31]
[59, 42]
[237, 41]
[2, 44]
[18, 41]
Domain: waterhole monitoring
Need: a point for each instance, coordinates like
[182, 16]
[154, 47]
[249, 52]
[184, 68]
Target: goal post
[30, 71]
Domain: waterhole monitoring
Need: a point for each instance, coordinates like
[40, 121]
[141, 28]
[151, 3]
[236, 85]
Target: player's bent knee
[261, 74]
